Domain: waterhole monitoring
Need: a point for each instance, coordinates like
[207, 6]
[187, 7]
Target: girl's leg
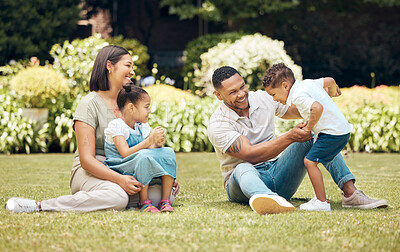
[316, 178]
[144, 193]
[167, 182]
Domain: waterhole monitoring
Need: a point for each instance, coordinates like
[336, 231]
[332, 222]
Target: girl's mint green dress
[145, 164]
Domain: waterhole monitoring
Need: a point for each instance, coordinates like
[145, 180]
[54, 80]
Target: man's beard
[234, 107]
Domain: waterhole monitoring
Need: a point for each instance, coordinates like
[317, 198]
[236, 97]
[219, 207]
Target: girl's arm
[86, 142]
[124, 150]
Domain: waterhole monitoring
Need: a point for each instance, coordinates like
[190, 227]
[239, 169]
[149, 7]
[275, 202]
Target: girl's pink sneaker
[147, 207]
[165, 206]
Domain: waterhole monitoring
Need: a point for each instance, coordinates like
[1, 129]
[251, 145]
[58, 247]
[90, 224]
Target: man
[242, 133]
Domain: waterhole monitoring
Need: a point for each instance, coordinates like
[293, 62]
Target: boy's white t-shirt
[118, 127]
[304, 93]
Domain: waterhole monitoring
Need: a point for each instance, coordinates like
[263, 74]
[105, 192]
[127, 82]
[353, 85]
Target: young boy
[313, 100]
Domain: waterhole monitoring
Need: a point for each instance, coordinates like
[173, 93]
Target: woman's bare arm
[85, 138]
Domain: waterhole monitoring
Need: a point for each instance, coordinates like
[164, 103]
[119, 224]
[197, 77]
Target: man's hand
[297, 134]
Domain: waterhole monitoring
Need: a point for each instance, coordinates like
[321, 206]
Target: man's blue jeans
[280, 177]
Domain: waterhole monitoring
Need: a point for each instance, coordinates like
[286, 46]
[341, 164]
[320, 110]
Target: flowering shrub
[251, 55]
[75, 59]
[197, 47]
[169, 94]
[39, 86]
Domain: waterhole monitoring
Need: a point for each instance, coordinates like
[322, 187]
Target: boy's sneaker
[316, 205]
[19, 205]
[269, 204]
[362, 201]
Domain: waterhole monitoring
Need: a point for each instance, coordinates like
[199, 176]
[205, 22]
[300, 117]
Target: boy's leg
[326, 150]
[339, 171]
[289, 170]
[316, 178]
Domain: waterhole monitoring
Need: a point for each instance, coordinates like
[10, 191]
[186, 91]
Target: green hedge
[197, 47]
[185, 123]
[185, 118]
[19, 134]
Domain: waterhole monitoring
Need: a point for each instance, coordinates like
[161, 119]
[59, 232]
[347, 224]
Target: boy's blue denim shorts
[327, 147]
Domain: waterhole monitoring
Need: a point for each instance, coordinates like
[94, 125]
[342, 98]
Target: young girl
[131, 149]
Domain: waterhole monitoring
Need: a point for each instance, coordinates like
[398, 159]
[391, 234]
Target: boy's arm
[315, 114]
[242, 149]
[292, 113]
[331, 87]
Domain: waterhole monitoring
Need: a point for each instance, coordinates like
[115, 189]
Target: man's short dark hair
[277, 74]
[222, 74]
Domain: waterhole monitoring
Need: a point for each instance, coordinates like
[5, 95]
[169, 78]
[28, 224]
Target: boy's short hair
[222, 74]
[277, 74]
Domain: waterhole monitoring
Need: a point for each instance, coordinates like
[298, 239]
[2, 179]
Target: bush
[8, 71]
[185, 117]
[30, 28]
[137, 50]
[75, 60]
[39, 86]
[251, 55]
[169, 94]
[18, 134]
[197, 47]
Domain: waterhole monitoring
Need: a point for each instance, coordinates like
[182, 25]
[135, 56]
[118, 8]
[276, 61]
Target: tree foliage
[227, 11]
[30, 28]
[230, 11]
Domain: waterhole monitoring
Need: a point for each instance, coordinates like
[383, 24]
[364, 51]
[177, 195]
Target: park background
[47, 49]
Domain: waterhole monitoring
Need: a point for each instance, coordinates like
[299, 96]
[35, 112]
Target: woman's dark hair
[99, 77]
[129, 93]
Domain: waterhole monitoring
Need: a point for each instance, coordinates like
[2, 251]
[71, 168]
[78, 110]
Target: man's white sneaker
[269, 204]
[19, 205]
[316, 205]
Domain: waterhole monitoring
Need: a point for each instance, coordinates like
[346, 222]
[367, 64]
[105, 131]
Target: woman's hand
[177, 188]
[130, 185]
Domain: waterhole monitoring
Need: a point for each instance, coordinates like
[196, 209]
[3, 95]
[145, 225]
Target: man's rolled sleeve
[221, 135]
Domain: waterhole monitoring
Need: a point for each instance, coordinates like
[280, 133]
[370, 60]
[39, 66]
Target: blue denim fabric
[282, 176]
[327, 147]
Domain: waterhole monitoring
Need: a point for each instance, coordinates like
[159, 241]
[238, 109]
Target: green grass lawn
[203, 220]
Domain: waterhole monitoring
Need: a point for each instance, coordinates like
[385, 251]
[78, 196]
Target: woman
[94, 186]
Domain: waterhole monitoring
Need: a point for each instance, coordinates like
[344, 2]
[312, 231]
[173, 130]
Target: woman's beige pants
[90, 194]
